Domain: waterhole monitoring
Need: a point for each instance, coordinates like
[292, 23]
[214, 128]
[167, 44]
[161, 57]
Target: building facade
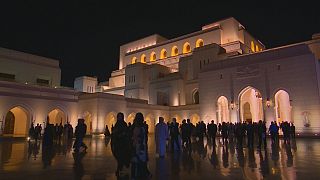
[219, 73]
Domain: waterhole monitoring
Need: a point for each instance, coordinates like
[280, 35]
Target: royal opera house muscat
[219, 73]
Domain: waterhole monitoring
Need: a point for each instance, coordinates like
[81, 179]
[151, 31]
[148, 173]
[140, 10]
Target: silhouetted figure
[161, 136]
[139, 168]
[120, 143]
[224, 133]
[293, 131]
[174, 135]
[146, 128]
[274, 131]
[262, 130]
[184, 133]
[250, 134]
[37, 132]
[189, 130]
[240, 133]
[106, 131]
[31, 132]
[80, 133]
[212, 132]
[59, 132]
[285, 126]
[48, 135]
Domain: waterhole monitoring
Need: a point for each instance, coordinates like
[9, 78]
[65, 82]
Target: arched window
[252, 46]
[282, 106]
[133, 60]
[186, 48]
[153, 56]
[174, 51]
[199, 43]
[223, 109]
[257, 48]
[163, 54]
[143, 58]
[195, 96]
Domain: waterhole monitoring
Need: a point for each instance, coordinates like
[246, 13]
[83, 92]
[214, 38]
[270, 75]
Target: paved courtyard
[21, 160]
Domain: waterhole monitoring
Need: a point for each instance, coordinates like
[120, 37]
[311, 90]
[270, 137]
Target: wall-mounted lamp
[268, 103]
[232, 105]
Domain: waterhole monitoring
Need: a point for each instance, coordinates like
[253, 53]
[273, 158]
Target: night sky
[86, 36]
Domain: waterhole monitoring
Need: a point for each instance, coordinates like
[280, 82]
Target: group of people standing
[129, 146]
[180, 136]
[51, 133]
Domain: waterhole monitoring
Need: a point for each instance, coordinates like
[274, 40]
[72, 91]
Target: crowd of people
[129, 142]
[180, 135]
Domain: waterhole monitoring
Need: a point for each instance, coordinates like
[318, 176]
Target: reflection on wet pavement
[20, 159]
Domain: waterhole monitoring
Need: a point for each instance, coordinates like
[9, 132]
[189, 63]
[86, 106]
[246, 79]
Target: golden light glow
[174, 51]
[199, 43]
[143, 58]
[153, 56]
[252, 46]
[133, 60]
[163, 54]
[257, 48]
[186, 48]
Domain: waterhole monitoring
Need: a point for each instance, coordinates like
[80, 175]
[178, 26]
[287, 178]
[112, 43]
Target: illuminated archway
[186, 48]
[195, 118]
[153, 56]
[199, 43]
[195, 96]
[150, 120]
[163, 54]
[282, 106]
[110, 120]
[251, 108]
[57, 116]
[143, 58]
[131, 118]
[133, 60]
[223, 109]
[174, 51]
[16, 122]
[88, 121]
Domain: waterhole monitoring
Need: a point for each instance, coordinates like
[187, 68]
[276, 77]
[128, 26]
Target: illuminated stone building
[219, 73]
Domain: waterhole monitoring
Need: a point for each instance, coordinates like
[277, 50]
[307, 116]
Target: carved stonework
[247, 71]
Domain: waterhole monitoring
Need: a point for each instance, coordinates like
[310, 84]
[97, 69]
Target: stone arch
[56, 116]
[194, 118]
[150, 120]
[143, 58]
[87, 116]
[17, 121]
[253, 97]
[174, 51]
[153, 57]
[199, 43]
[195, 96]
[186, 48]
[110, 120]
[282, 106]
[163, 54]
[223, 109]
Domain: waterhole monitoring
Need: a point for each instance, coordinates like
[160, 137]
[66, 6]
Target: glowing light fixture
[268, 103]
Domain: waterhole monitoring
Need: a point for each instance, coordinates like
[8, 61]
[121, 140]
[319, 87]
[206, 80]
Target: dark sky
[85, 35]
